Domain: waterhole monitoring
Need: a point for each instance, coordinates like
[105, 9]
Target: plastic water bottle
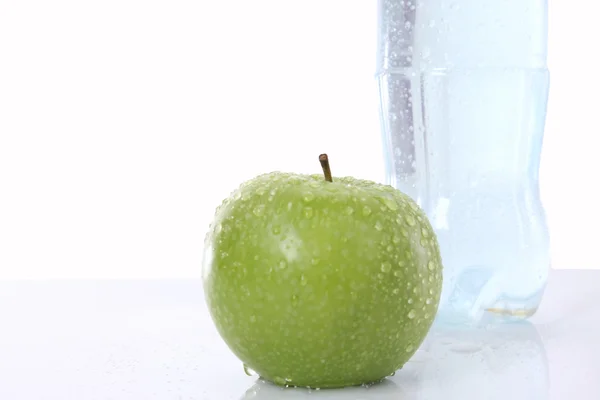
[463, 90]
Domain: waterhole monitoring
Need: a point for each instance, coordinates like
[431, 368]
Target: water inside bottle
[463, 89]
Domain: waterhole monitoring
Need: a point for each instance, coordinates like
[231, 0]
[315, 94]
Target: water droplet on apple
[279, 381]
[431, 292]
[303, 281]
[308, 212]
[386, 266]
[389, 248]
[390, 203]
[290, 205]
[397, 273]
[431, 265]
[348, 210]
[259, 210]
[425, 232]
[412, 314]
[379, 226]
[415, 290]
[276, 229]
[366, 211]
[314, 261]
[248, 371]
[396, 291]
[282, 264]
[252, 319]
[410, 300]
[404, 232]
[409, 348]
[294, 300]
[308, 197]
[428, 301]
[380, 276]
[314, 184]
[410, 220]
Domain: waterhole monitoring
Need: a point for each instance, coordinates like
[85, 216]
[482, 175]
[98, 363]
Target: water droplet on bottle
[348, 210]
[308, 197]
[410, 220]
[412, 314]
[308, 212]
[386, 266]
[248, 371]
[366, 211]
[379, 226]
[407, 25]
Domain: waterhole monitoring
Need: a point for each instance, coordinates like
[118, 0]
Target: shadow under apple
[384, 390]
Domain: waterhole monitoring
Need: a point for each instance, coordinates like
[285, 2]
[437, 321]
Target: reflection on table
[499, 362]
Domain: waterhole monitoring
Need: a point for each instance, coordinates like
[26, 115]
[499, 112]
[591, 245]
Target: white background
[124, 123]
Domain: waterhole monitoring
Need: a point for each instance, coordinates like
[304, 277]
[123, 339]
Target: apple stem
[326, 169]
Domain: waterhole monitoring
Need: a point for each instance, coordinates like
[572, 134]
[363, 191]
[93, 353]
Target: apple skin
[321, 284]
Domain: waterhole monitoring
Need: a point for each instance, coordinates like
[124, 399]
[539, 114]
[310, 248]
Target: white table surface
[89, 340]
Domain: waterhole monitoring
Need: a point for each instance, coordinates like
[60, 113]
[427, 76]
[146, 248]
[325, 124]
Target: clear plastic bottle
[463, 90]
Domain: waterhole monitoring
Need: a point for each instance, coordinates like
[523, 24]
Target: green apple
[321, 284]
